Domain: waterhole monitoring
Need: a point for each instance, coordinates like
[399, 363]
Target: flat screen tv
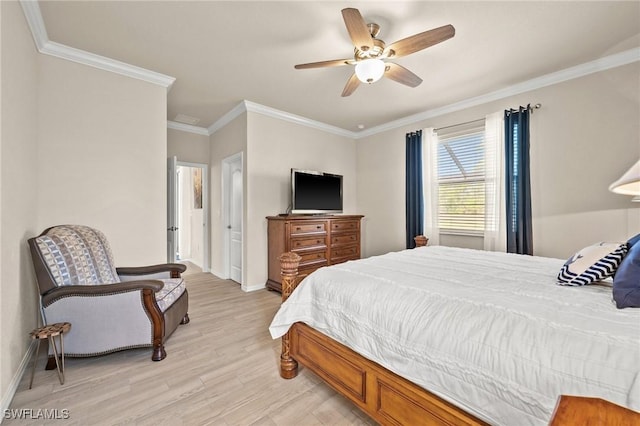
[315, 192]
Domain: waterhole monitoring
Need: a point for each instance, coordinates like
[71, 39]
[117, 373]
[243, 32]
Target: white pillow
[591, 264]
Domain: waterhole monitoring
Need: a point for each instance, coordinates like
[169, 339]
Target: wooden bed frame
[392, 400]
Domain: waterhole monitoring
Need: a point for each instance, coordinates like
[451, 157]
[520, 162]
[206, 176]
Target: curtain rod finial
[536, 106]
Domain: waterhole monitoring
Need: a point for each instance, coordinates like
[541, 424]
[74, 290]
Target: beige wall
[102, 157]
[18, 173]
[583, 138]
[188, 147]
[79, 145]
[381, 191]
[271, 147]
[229, 140]
[274, 147]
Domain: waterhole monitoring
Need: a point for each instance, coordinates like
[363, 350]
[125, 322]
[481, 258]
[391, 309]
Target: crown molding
[293, 118]
[36, 24]
[107, 64]
[31, 10]
[248, 106]
[601, 64]
[227, 118]
[183, 127]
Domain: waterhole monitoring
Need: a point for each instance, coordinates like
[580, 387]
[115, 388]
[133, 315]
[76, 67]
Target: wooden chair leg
[158, 353]
[35, 360]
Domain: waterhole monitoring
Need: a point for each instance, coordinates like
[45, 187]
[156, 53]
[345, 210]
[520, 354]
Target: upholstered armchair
[110, 309]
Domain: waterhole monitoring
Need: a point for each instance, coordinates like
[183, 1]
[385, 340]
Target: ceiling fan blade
[357, 28]
[420, 41]
[401, 75]
[322, 64]
[351, 85]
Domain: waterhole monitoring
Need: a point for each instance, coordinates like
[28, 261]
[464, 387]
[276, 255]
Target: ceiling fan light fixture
[369, 52]
[370, 70]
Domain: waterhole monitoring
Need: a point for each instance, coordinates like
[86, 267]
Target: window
[461, 179]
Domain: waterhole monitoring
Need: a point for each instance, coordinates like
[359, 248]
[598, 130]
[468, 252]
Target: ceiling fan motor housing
[373, 52]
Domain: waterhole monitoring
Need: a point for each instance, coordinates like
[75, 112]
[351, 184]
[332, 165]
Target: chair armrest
[99, 290]
[178, 268]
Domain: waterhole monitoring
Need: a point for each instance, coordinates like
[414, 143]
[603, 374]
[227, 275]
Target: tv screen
[315, 192]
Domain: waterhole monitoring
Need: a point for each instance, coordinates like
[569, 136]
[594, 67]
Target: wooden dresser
[319, 240]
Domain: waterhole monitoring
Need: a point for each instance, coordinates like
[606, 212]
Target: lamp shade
[629, 183]
[370, 70]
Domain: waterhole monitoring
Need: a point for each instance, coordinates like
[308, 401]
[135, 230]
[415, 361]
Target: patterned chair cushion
[172, 290]
[77, 255]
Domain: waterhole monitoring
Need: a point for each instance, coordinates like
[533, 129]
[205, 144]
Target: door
[232, 169]
[172, 208]
[235, 220]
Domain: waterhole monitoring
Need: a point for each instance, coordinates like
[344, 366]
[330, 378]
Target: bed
[457, 336]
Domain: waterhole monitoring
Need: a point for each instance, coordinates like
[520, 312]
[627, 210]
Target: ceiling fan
[371, 53]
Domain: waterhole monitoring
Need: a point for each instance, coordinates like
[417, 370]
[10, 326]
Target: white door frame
[226, 212]
[172, 207]
[205, 210]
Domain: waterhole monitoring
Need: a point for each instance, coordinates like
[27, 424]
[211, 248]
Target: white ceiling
[224, 52]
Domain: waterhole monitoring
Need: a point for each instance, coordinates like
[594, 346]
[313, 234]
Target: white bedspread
[490, 332]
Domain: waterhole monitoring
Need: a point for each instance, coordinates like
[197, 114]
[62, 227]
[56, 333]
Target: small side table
[49, 332]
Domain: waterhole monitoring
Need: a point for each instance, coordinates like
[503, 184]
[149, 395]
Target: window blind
[461, 178]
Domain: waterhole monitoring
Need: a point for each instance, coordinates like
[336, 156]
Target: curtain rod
[529, 107]
[459, 124]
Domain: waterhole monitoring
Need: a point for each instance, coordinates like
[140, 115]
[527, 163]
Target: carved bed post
[421, 240]
[289, 271]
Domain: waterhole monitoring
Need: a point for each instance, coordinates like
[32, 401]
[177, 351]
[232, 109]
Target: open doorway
[190, 236]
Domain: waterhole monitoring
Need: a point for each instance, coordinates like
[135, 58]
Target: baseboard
[254, 287]
[15, 381]
[218, 274]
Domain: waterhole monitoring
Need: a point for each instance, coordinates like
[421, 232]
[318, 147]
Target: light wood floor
[221, 369]
[192, 268]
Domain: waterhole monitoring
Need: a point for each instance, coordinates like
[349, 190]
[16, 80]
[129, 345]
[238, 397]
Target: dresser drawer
[340, 240]
[308, 243]
[344, 225]
[315, 259]
[345, 253]
[308, 228]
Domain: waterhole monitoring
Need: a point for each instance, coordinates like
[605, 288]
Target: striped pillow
[591, 264]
